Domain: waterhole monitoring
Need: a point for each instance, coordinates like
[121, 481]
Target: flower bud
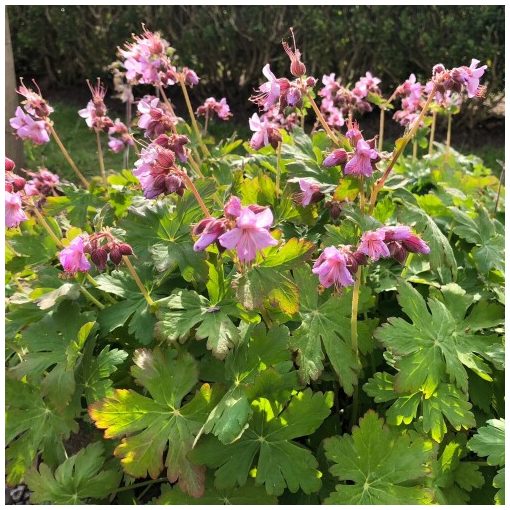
[116, 254]
[311, 81]
[99, 256]
[335, 158]
[335, 208]
[9, 165]
[125, 249]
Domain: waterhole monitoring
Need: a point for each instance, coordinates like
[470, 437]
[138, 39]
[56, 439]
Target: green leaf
[32, 426]
[453, 479]
[185, 309]
[289, 254]
[96, 374]
[446, 402]
[51, 352]
[80, 478]
[325, 329]
[489, 441]
[267, 286]
[260, 366]
[280, 462]
[148, 424]
[381, 465]
[499, 483]
[250, 494]
[436, 345]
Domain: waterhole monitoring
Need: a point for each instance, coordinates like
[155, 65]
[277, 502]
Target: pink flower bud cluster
[311, 191]
[102, 248]
[32, 121]
[95, 113]
[156, 169]
[119, 137]
[361, 162]
[155, 118]
[245, 229]
[14, 184]
[337, 266]
[212, 106]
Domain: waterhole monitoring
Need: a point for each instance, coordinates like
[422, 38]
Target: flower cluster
[156, 169]
[146, 61]
[338, 101]
[42, 183]
[411, 92]
[95, 113]
[155, 118]
[119, 137]
[32, 121]
[361, 162]
[245, 229]
[14, 184]
[212, 106]
[458, 79]
[274, 117]
[337, 266]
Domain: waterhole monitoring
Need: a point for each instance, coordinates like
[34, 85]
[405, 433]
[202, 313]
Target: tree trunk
[13, 146]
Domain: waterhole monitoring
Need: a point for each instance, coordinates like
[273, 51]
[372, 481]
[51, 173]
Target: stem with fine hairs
[137, 280]
[101, 160]
[66, 154]
[322, 120]
[204, 148]
[449, 132]
[432, 133]
[90, 297]
[398, 150]
[193, 189]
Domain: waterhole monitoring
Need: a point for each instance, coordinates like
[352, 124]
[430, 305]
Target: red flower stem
[72, 164]
[101, 161]
[193, 189]
[322, 120]
[399, 150]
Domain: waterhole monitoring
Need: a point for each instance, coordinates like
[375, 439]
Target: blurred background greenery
[61, 46]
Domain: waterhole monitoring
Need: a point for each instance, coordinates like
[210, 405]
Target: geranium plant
[298, 318]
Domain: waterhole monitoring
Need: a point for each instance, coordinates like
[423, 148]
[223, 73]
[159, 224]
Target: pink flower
[116, 145]
[154, 118]
[14, 213]
[29, 129]
[473, 78]
[265, 133]
[209, 230]
[331, 268]
[34, 103]
[373, 245]
[119, 137]
[311, 191]
[361, 163]
[250, 234]
[43, 183]
[232, 208]
[190, 77]
[73, 257]
[366, 84]
[210, 106]
[175, 143]
[269, 92]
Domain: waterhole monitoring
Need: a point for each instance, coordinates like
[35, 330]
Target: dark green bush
[228, 45]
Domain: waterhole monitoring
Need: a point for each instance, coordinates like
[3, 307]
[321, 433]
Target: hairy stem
[101, 160]
[322, 120]
[91, 298]
[66, 154]
[44, 224]
[193, 189]
[449, 132]
[415, 149]
[381, 129]
[137, 280]
[399, 149]
[432, 133]
[204, 148]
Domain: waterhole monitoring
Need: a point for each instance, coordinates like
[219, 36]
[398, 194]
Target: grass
[80, 141]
